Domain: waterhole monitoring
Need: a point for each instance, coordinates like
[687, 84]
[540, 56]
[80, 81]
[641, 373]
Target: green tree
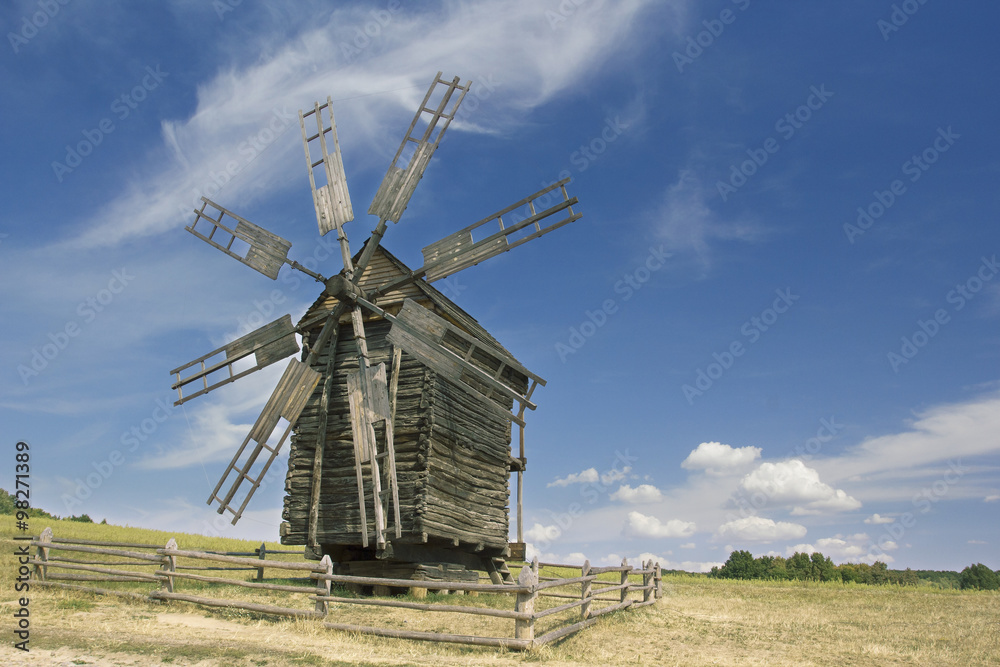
[979, 577]
[740, 565]
[799, 566]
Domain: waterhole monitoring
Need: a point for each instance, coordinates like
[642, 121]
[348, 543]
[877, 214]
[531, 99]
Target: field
[699, 621]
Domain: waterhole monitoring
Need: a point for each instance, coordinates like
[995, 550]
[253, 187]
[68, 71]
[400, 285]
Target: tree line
[817, 567]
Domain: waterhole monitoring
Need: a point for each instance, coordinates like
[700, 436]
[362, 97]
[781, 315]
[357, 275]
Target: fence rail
[528, 592]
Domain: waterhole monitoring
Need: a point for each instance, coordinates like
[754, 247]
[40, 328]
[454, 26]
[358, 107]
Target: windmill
[485, 388]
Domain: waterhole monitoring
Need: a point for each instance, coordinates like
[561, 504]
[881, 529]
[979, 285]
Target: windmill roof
[384, 266]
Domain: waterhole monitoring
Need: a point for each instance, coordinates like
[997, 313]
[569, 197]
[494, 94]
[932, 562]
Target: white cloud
[688, 545]
[688, 223]
[589, 475]
[718, 459]
[991, 499]
[941, 433]
[667, 564]
[977, 542]
[644, 493]
[759, 529]
[794, 483]
[615, 475]
[641, 525]
[459, 39]
[875, 519]
[540, 533]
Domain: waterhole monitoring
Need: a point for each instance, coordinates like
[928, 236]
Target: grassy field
[699, 621]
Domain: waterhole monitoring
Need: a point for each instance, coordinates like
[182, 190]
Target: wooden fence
[536, 596]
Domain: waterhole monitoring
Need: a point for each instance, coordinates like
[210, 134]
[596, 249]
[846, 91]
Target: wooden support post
[169, 566]
[42, 553]
[323, 585]
[317, 472]
[585, 589]
[658, 581]
[419, 593]
[647, 578]
[528, 578]
[380, 591]
[624, 581]
[261, 554]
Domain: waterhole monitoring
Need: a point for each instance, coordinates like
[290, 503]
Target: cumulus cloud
[541, 533]
[716, 458]
[759, 529]
[591, 476]
[588, 475]
[644, 493]
[875, 519]
[794, 483]
[641, 525]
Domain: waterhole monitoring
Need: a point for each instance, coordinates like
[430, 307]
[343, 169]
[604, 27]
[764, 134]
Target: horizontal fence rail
[127, 564]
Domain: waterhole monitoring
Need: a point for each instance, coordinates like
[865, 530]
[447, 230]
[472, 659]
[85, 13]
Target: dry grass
[699, 621]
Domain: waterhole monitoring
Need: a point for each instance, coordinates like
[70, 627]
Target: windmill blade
[266, 252]
[287, 401]
[270, 343]
[449, 351]
[459, 250]
[332, 200]
[400, 181]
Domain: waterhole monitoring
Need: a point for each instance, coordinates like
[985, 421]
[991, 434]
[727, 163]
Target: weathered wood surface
[499, 642]
[235, 604]
[402, 604]
[450, 457]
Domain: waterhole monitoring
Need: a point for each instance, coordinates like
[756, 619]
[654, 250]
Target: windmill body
[452, 452]
[400, 409]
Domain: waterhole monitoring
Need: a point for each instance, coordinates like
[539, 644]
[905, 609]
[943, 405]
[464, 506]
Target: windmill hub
[343, 289]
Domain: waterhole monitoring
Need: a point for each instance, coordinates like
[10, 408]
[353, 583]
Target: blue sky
[774, 329]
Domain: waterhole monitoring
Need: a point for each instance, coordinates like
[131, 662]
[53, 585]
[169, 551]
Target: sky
[774, 328]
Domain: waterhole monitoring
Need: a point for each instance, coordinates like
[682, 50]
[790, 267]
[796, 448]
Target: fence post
[528, 577]
[585, 591]
[261, 554]
[658, 580]
[42, 553]
[323, 585]
[169, 566]
[647, 580]
[624, 581]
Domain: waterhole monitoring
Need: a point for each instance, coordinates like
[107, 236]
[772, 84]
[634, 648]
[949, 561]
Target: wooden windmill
[401, 404]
